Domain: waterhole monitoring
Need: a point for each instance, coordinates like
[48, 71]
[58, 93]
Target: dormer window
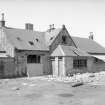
[18, 38]
[51, 38]
[37, 39]
[31, 43]
[64, 39]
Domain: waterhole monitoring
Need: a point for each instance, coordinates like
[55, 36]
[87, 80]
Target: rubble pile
[91, 78]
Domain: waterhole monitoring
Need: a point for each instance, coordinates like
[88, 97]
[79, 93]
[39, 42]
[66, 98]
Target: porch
[67, 59]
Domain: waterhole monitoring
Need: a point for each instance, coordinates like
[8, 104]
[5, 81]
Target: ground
[52, 91]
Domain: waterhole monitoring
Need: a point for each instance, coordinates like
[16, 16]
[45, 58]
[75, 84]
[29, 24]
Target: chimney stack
[2, 22]
[91, 36]
[51, 27]
[29, 26]
[63, 26]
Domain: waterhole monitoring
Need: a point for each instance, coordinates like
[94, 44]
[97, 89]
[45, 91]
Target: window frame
[79, 63]
[34, 59]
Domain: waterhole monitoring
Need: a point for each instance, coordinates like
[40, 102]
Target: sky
[79, 16]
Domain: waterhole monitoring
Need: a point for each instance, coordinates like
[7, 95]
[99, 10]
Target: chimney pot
[63, 26]
[91, 36]
[51, 27]
[2, 22]
[29, 26]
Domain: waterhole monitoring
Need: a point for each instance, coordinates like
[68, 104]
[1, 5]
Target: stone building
[55, 52]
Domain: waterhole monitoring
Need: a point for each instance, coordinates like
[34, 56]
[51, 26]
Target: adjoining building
[55, 52]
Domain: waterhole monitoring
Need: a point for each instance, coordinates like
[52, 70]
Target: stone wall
[8, 68]
[98, 66]
[91, 65]
[11, 67]
[45, 63]
[69, 65]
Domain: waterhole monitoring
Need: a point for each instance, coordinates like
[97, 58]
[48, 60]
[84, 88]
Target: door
[60, 67]
[53, 67]
[34, 69]
[34, 65]
[57, 68]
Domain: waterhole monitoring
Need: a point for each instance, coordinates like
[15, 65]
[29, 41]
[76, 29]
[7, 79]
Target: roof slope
[34, 40]
[72, 51]
[85, 44]
[51, 35]
[88, 45]
[65, 50]
[25, 39]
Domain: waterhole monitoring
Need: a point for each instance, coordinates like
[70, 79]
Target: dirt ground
[49, 92]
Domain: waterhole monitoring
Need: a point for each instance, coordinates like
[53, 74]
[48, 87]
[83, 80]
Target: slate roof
[88, 45]
[72, 51]
[84, 44]
[26, 39]
[51, 35]
[33, 40]
[64, 50]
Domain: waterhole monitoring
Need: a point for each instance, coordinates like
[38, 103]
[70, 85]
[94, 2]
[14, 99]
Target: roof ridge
[23, 29]
[80, 37]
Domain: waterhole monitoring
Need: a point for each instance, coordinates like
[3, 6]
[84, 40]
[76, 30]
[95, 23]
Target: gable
[62, 38]
[58, 51]
[22, 39]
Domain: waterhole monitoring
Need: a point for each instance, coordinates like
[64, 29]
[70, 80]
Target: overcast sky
[79, 16]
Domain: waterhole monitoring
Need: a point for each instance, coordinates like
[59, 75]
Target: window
[79, 63]
[52, 58]
[51, 38]
[60, 58]
[33, 59]
[64, 39]
[37, 39]
[31, 43]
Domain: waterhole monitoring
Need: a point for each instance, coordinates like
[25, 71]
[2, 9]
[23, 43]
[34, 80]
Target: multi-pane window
[79, 63]
[33, 59]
